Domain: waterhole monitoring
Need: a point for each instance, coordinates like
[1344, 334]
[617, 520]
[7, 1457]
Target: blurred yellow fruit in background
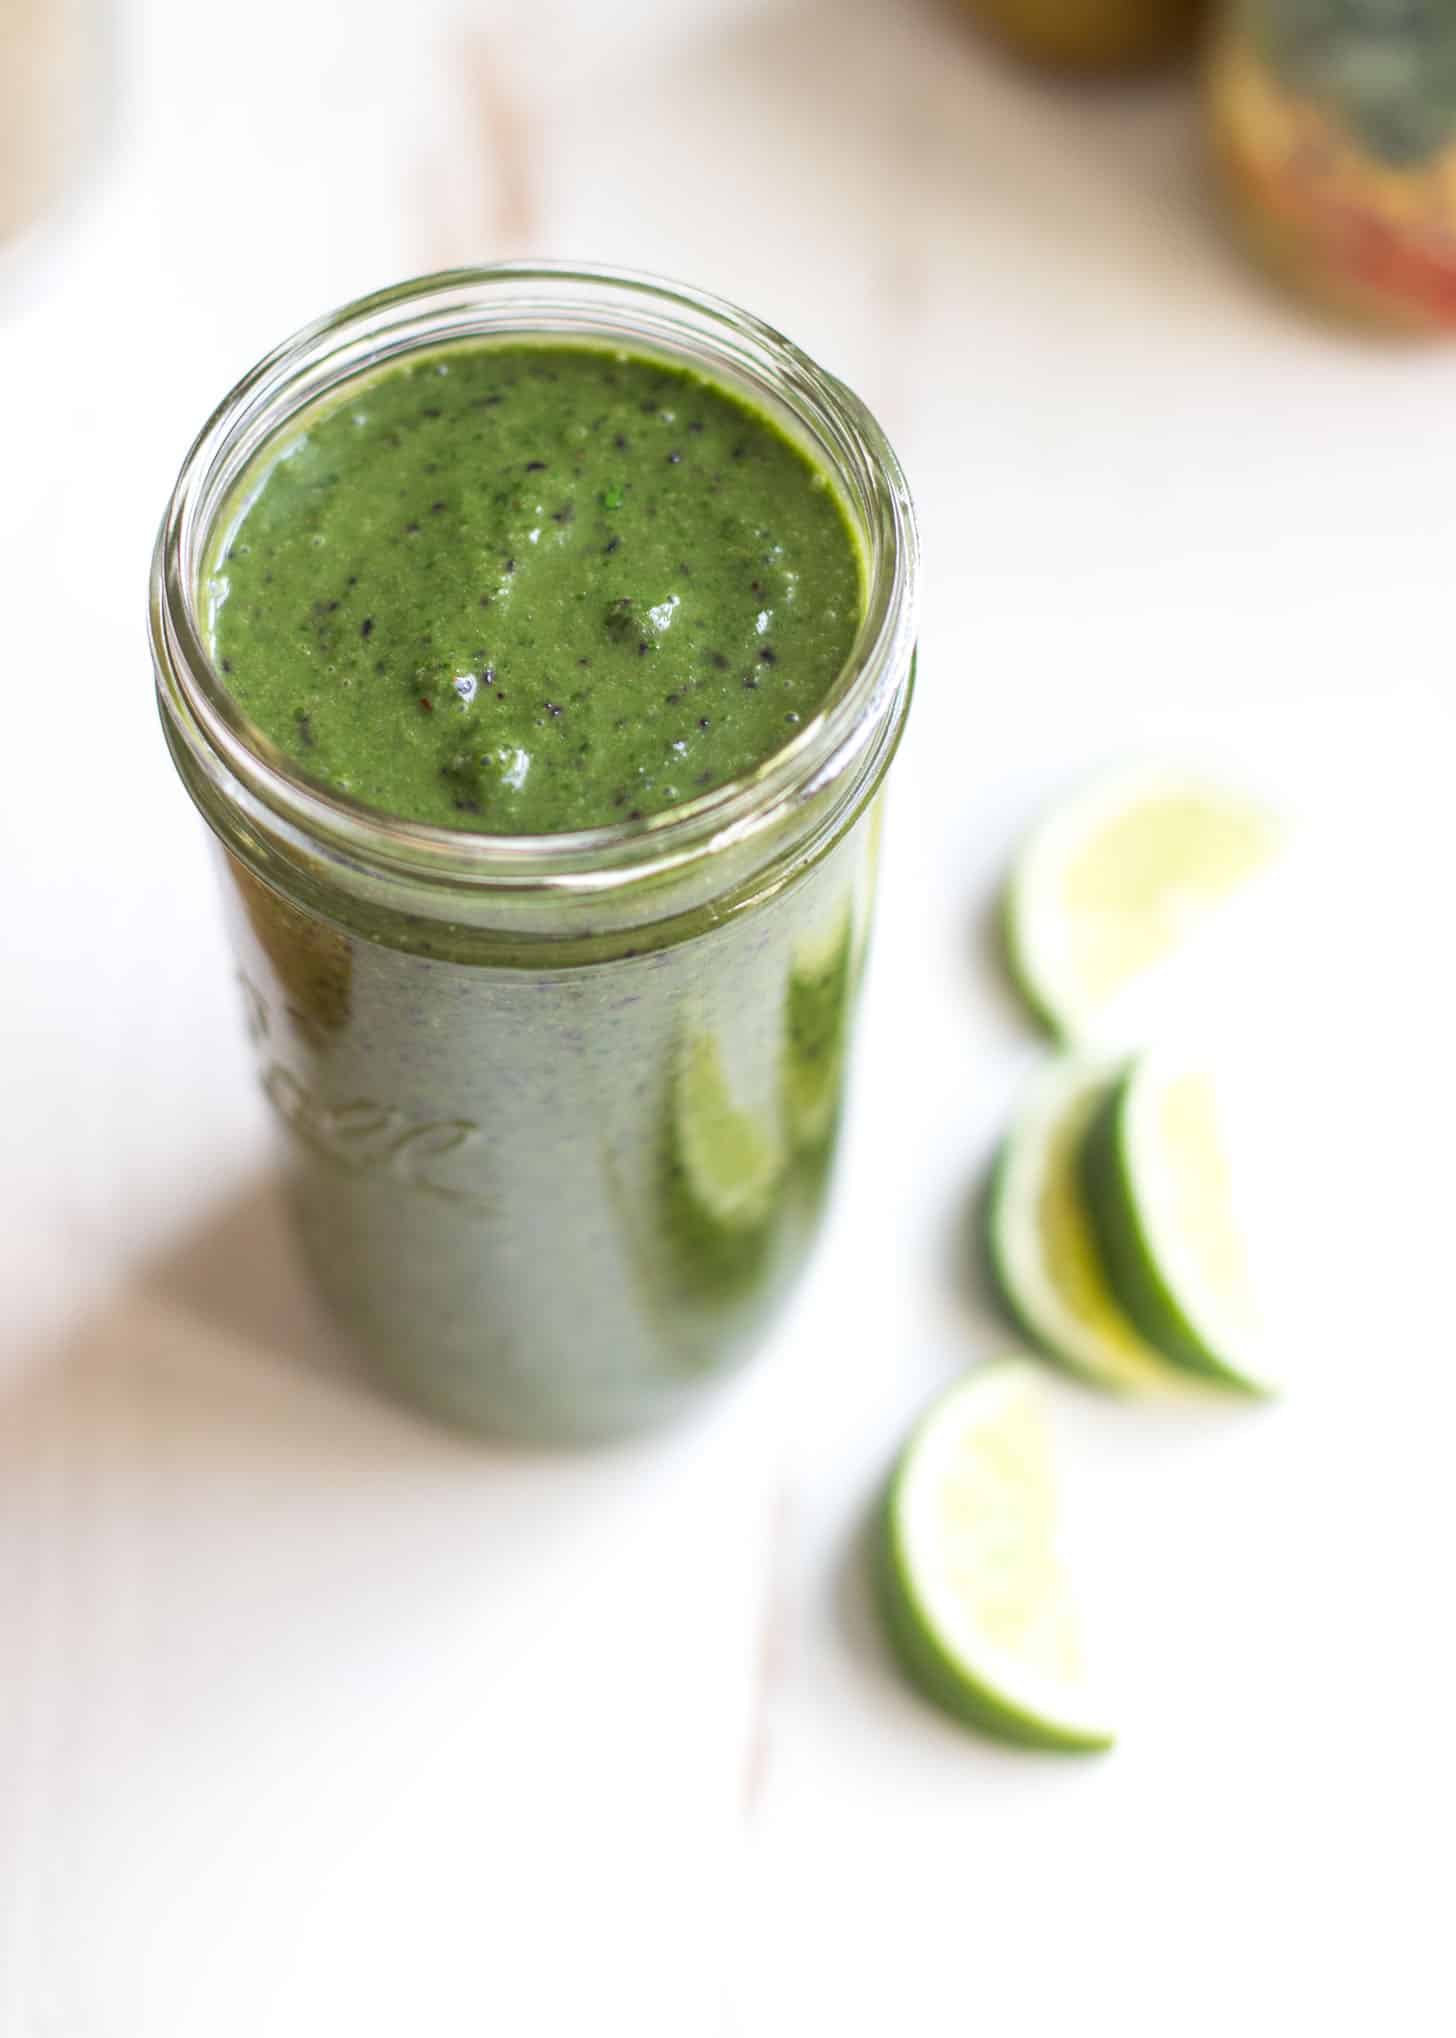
[1094, 35]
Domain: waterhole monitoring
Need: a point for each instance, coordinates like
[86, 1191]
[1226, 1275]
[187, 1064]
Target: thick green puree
[532, 587]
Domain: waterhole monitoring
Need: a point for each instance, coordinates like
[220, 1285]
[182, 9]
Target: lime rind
[1151, 1267]
[1111, 882]
[1042, 1248]
[961, 1556]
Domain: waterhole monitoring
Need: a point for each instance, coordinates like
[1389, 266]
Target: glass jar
[1334, 126]
[559, 1109]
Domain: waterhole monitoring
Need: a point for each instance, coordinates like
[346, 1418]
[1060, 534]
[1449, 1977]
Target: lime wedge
[1042, 1248]
[1114, 880]
[1160, 1194]
[729, 1164]
[816, 1030]
[975, 1600]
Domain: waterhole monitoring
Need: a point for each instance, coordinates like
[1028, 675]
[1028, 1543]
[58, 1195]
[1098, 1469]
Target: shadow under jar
[559, 1108]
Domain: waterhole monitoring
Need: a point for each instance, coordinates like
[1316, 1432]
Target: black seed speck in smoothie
[408, 521]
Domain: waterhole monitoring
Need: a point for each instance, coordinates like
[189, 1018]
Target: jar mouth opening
[638, 313]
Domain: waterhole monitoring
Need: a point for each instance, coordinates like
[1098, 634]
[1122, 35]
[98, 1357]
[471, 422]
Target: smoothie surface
[530, 587]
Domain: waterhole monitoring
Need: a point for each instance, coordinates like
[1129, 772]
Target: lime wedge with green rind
[1041, 1246]
[1116, 878]
[816, 1033]
[724, 1176]
[1160, 1197]
[731, 1163]
[976, 1604]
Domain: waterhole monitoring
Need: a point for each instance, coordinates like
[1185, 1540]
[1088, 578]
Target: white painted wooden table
[314, 1721]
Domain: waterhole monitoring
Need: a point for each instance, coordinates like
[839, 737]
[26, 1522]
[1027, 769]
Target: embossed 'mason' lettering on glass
[363, 1137]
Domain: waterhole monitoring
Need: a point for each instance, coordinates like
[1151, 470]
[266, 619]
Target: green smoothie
[531, 588]
[560, 1113]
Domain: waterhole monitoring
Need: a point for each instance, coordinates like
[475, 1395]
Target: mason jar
[558, 1111]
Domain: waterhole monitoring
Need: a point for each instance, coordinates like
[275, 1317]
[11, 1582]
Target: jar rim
[590, 304]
